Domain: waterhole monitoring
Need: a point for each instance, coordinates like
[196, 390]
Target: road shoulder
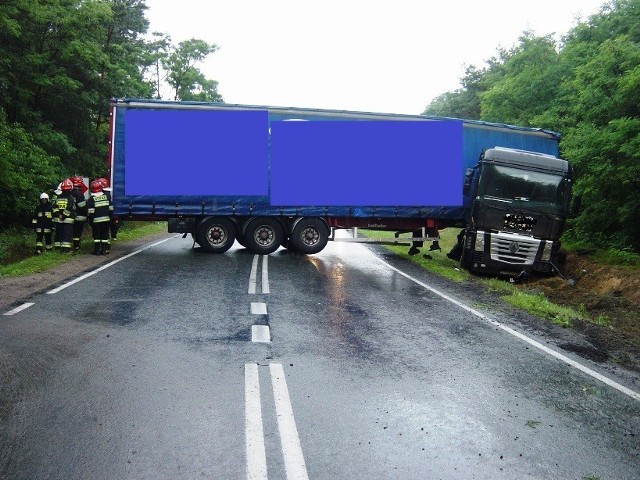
[15, 290]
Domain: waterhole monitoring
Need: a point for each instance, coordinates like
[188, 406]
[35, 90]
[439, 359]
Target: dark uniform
[81, 217]
[43, 224]
[99, 209]
[64, 212]
[114, 224]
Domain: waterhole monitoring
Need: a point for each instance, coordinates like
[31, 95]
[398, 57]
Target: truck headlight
[546, 251]
[479, 242]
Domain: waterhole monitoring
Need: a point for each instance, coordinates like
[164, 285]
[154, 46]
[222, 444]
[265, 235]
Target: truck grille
[514, 249]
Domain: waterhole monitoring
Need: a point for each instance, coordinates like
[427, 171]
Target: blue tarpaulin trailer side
[476, 136]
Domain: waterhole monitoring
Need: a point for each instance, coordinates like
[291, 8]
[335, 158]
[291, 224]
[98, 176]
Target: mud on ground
[609, 295]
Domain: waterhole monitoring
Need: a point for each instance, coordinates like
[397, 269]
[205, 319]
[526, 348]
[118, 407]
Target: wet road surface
[174, 363]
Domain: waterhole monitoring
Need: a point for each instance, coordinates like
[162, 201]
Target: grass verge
[21, 243]
[437, 260]
[531, 302]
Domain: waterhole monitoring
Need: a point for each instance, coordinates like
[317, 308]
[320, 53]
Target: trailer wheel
[310, 235]
[216, 234]
[263, 235]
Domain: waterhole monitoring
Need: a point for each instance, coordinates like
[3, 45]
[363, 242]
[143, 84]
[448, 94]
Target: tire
[263, 235]
[310, 235]
[216, 234]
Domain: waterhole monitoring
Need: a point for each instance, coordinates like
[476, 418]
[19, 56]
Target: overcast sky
[390, 56]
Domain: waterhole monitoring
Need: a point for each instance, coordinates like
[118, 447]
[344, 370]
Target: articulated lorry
[268, 177]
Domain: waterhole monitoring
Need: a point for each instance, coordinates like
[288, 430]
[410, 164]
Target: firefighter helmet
[96, 186]
[77, 181]
[44, 196]
[66, 185]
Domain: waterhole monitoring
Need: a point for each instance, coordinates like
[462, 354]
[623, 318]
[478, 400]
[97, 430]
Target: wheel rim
[264, 236]
[310, 236]
[216, 235]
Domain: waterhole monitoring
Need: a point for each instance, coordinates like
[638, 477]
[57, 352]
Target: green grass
[534, 303]
[439, 263]
[613, 257]
[22, 242]
[538, 305]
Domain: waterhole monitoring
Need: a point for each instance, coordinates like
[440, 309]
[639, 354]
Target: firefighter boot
[96, 249]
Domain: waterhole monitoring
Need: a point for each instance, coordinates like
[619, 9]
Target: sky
[391, 56]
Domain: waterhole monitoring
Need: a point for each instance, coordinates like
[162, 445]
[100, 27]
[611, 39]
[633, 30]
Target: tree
[26, 169]
[187, 81]
[156, 51]
[530, 79]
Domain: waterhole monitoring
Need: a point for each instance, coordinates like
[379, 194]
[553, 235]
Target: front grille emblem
[514, 247]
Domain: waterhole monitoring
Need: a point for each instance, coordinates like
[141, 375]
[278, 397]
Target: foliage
[588, 88]
[61, 61]
[27, 170]
[187, 81]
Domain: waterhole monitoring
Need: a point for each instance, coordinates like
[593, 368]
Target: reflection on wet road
[179, 364]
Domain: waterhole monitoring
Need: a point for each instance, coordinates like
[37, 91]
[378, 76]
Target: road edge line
[104, 267]
[521, 336]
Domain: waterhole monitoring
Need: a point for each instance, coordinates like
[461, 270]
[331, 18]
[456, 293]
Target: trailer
[277, 176]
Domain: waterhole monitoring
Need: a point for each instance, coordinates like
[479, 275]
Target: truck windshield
[513, 184]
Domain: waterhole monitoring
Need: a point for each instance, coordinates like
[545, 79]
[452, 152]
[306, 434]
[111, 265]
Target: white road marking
[260, 334]
[258, 308]
[253, 275]
[530, 341]
[265, 274]
[294, 464]
[24, 306]
[254, 432]
[104, 267]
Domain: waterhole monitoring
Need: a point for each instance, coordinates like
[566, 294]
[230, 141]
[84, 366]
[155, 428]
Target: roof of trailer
[147, 103]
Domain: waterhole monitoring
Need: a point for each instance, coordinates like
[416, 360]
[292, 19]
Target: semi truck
[268, 177]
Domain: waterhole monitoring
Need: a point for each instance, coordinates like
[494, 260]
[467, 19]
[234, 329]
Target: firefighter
[99, 210]
[43, 224]
[64, 212]
[114, 224]
[81, 211]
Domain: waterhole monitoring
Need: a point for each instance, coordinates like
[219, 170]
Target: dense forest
[588, 89]
[62, 60]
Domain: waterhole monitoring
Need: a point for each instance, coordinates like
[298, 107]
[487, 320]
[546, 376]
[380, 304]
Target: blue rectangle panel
[366, 163]
[196, 152]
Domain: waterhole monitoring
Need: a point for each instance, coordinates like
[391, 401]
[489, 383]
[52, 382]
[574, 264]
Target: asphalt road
[349, 364]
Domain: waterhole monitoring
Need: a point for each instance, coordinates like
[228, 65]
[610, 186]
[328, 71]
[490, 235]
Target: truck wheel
[263, 235]
[216, 234]
[310, 235]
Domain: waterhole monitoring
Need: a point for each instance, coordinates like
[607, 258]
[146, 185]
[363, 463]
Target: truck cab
[520, 202]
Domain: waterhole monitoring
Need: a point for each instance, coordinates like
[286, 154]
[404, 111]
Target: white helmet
[44, 196]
